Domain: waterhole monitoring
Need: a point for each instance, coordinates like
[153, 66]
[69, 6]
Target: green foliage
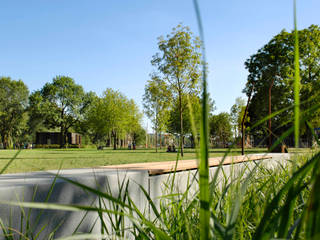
[174, 115]
[59, 104]
[156, 103]
[220, 129]
[139, 135]
[273, 67]
[204, 194]
[236, 115]
[112, 116]
[178, 65]
[296, 81]
[13, 103]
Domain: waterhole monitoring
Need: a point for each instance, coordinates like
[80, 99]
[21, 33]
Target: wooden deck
[156, 168]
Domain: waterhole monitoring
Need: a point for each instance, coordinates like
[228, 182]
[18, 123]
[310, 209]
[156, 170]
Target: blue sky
[109, 44]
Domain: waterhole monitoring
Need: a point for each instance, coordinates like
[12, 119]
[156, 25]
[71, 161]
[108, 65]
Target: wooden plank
[155, 168]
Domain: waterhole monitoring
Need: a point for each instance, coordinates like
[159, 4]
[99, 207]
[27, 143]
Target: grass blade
[296, 81]
[313, 211]
[273, 205]
[204, 154]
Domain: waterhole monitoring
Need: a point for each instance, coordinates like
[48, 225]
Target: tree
[60, 104]
[271, 72]
[236, 114]
[309, 45]
[139, 135]
[156, 103]
[133, 122]
[178, 64]
[173, 123]
[13, 102]
[112, 116]
[220, 128]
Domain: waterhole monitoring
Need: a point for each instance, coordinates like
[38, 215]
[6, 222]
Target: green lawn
[46, 159]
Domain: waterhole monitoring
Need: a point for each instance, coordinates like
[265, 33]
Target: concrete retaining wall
[37, 186]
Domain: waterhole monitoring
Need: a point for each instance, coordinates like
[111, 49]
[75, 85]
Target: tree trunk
[181, 124]
[62, 130]
[114, 140]
[156, 140]
[160, 139]
[192, 141]
[63, 136]
[156, 131]
[5, 141]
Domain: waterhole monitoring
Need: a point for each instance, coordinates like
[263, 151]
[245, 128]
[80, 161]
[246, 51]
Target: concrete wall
[35, 187]
[161, 184]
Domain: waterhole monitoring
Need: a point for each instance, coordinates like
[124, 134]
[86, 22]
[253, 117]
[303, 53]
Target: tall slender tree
[178, 64]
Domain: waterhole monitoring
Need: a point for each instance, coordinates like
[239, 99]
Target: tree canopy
[178, 65]
[60, 104]
[113, 115]
[220, 129]
[156, 103]
[236, 115]
[270, 78]
[13, 102]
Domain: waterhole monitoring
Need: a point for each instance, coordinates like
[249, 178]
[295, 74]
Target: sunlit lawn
[46, 159]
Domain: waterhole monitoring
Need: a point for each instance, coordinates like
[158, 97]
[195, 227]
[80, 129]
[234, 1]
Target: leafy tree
[13, 102]
[173, 124]
[271, 78]
[60, 104]
[178, 64]
[112, 116]
[220, 128]
[36, 118]
[139, 135]
[132, 120]
[236, 114]
[156, 103]
[309, 41]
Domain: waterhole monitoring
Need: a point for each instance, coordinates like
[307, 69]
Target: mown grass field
[46, 159]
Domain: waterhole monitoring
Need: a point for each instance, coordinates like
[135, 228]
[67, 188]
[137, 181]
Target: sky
[109, 44]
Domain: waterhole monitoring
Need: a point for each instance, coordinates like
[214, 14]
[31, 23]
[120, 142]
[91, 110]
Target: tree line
[270, 87]
[62, 105]
[172, 98]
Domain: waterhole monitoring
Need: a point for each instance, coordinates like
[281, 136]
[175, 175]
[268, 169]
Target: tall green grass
[296, 79]
[204, 142]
